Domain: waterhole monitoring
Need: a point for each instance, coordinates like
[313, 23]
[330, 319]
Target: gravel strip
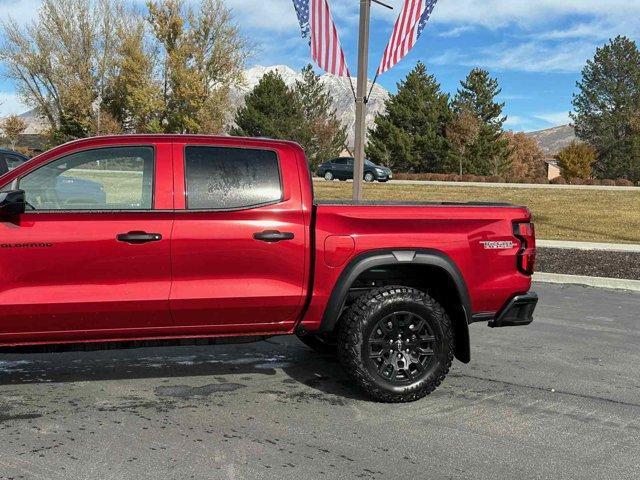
[624, 265]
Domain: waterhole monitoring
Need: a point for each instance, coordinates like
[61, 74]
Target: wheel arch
[431, 263]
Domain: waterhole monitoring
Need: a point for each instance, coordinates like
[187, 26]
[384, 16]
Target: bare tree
[202, 54]
[462, 132]
[60, 62]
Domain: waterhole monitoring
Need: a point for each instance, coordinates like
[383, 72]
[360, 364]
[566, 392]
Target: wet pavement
[559, 399]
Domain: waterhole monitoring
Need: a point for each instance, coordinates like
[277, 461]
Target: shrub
[576, 160]
[576, 181]
[558, 181]
[541, 180]
[623, 182]
[496, 179]
[592, 181]
[608, 182]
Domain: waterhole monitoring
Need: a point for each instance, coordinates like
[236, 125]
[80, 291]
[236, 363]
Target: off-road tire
[365, 315]
[320, 343]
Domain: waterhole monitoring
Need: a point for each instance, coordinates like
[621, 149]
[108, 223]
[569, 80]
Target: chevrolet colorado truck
[205, 237]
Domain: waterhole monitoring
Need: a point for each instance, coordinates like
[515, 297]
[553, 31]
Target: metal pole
[361, 92]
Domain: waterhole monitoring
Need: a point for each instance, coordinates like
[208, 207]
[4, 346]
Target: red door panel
[62, 272]
[222, 275]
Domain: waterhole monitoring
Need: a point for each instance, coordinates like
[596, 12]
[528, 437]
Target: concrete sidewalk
[504, 185]
[606, 247]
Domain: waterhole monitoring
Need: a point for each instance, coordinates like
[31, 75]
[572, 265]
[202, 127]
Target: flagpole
[361, 92]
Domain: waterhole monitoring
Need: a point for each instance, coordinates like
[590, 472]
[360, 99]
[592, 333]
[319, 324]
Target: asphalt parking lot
[559, 399]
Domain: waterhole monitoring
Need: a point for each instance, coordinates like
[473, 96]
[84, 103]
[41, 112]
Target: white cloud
[11, 104]
[456, 31]
[269, 15]
[554, 118]
[566, 57]
[514, 121]
[23, 11]
[526, 13]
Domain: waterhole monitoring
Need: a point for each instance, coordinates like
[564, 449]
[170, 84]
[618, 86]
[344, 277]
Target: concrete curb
[598, 282]
[606, 247]
[506, 185]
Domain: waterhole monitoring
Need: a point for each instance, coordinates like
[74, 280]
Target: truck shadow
[276, 358]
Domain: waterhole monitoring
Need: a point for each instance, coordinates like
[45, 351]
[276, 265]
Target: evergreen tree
[271, 110]
[489, 154]
[410, 136]
[606, 105]
[322, 134]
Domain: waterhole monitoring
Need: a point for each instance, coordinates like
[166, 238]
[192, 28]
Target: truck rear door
[238, 244]
[90, 258]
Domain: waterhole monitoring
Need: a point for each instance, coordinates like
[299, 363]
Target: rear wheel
[396, 343]
[328, 176]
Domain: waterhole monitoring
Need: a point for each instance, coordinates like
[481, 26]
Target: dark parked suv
[342, 169]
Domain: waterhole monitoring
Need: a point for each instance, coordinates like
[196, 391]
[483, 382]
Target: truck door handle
[273, 236]
[137, 238]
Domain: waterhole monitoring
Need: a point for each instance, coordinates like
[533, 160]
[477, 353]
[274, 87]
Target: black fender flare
[378, 258]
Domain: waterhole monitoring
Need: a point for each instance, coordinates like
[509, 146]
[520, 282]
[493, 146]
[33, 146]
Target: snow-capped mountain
[339, 89]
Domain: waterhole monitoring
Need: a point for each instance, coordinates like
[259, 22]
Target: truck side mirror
[12, 203]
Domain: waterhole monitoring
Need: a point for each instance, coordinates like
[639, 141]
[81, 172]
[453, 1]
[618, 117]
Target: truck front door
[238, 245]
[90, 257]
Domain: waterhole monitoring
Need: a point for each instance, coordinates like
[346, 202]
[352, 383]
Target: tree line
[98, 67]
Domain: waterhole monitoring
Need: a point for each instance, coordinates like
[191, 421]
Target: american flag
[317, 25]
[408, 28]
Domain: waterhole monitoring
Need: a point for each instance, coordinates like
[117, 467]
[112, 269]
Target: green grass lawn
[121, 187]
[559, 214]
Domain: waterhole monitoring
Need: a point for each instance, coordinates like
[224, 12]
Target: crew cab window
[115, 178]
[220, 178]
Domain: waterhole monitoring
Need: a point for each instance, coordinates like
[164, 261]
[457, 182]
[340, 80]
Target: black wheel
[369, 177]
[321, 343]
[396, 343]
[328, 176]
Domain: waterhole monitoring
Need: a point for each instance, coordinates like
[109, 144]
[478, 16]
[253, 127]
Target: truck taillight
[525, 232]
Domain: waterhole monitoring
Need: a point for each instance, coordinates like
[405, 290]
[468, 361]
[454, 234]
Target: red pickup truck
[203, 237]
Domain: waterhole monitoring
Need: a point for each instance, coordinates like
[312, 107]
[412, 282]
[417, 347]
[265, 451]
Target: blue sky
[536, 48]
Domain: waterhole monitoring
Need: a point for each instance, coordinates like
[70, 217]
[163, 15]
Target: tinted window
[118, 178]
[340, 161]
[230, 178]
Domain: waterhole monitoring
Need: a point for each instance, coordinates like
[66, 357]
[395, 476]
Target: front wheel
[369, 177]
[396, 343]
